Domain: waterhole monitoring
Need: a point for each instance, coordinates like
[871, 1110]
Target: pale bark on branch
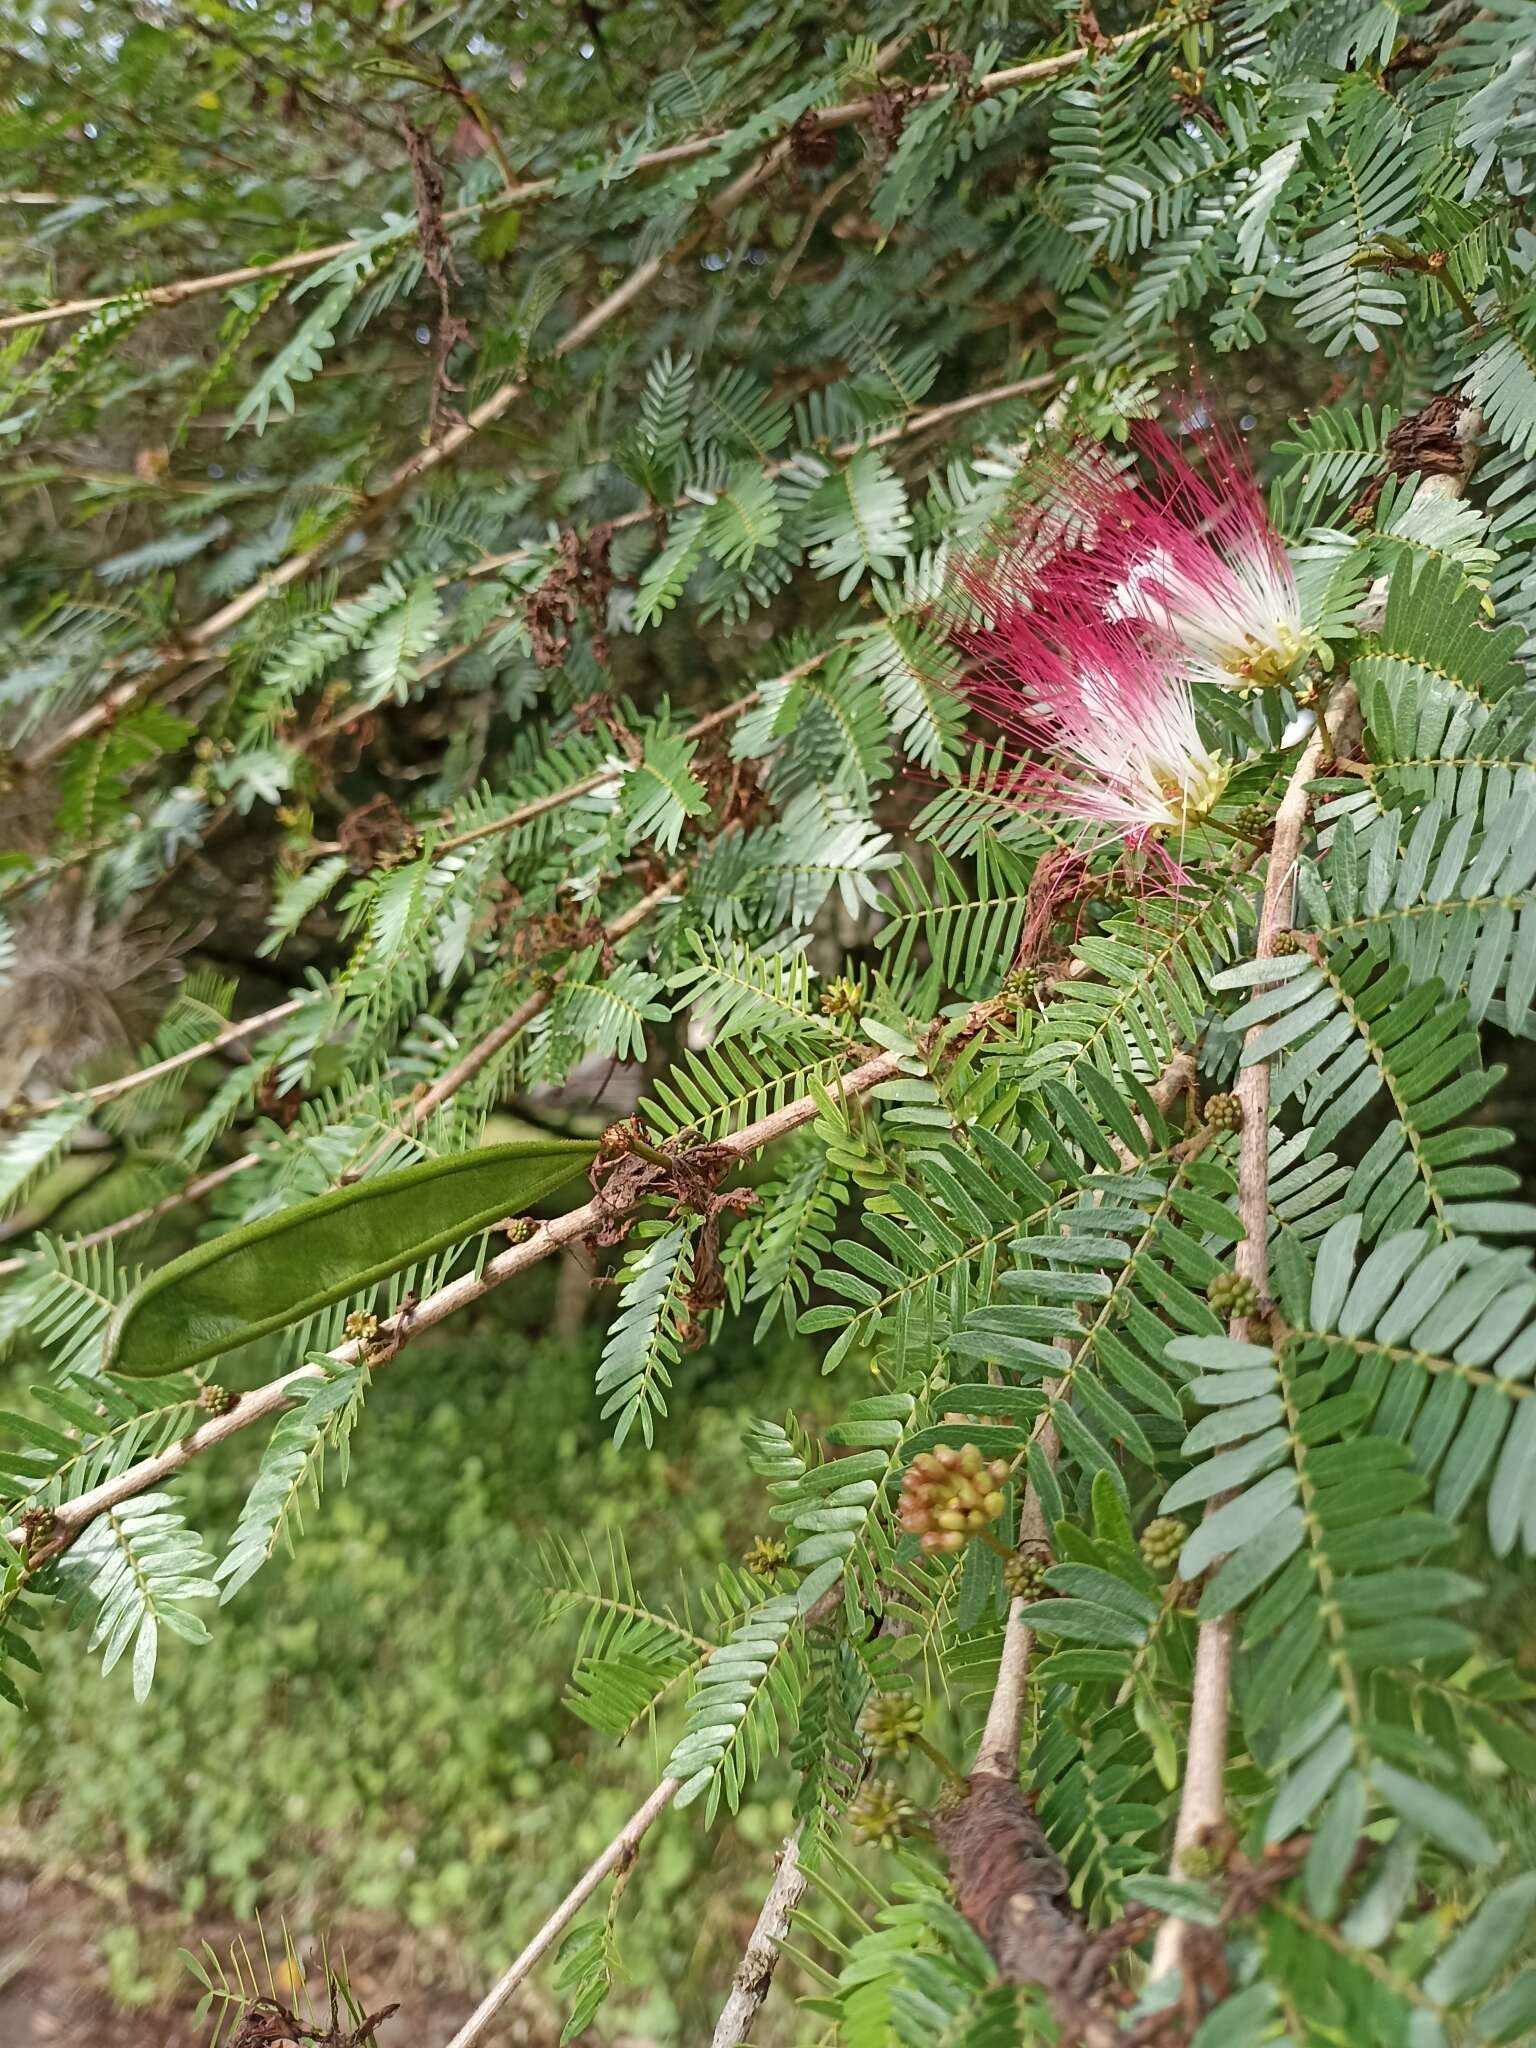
[401, 1329]
[1008, 1881]
[1202, 1799]
[232, 1034]
[754, 1973]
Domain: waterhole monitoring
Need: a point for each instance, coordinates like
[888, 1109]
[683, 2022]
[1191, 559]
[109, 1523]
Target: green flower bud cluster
[842, 998]
[1024, 1576]
[1254, 819]
[1231, 1295]
[949, 1496]
[1161, 1542]
[891, 1723]
[216, 1400]
[1224, 1113]
[881, 1814]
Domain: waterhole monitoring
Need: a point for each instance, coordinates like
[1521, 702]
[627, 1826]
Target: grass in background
[375, 1732]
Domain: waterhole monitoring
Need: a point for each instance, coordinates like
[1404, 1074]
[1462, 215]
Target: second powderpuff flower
[1189, 552]
[1111, 724]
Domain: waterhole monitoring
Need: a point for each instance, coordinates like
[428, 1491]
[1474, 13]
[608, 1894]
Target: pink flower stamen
[1187, 549]
[1110, 726]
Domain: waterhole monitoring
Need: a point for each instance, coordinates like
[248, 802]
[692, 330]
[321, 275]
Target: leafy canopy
[480, 483]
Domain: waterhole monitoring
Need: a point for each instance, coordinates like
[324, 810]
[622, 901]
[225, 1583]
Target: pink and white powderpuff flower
[1190, 553]
[1110, 725]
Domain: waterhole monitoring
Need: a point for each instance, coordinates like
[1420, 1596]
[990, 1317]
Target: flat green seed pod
[284, 1268]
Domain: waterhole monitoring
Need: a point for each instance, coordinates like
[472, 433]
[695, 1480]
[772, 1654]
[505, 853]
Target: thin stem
[940, 1762]
[233, 1034]
[754, 1973]
[823, 120]
[539, 806]
[476, 106]
[642, 1149]
[1202, 1803]
[409, 1323]
[203, 1184]
[618, 1856]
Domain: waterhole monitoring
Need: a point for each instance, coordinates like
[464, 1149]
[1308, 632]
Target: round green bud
[1224, 1113]
[891, 1723]
[1231, 1295]
[1024, 1576]
[881, 1814]
[1161, 1542]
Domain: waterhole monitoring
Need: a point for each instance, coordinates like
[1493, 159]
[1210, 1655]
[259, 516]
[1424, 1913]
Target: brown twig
[843, 115]
[233, 1034]
[399, 1330]
[369, 507]
[125, 694]
[441, 265]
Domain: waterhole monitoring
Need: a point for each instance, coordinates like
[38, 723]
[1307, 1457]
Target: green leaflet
[266, 1275]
